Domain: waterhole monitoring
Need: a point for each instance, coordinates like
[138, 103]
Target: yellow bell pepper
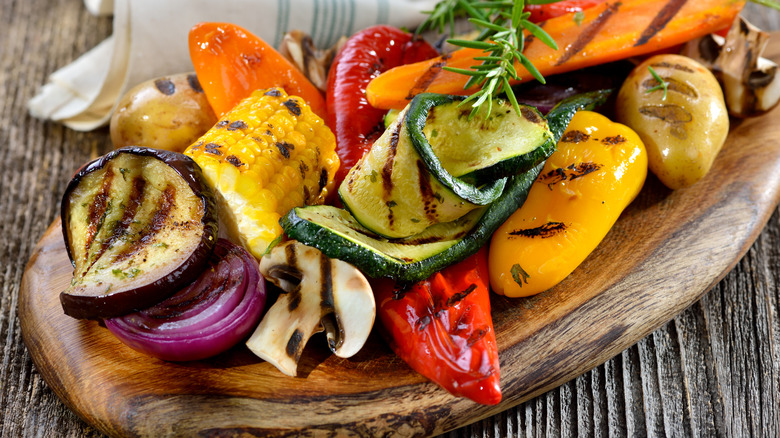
[597, 170]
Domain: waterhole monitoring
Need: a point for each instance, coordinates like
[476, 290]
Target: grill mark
[238, 125]
[458, 297]
[530, 115]
[575, 136]
[425, 81]
[423, 322]
[194, 83]
[674, 66]
[161, 216]
[323, 179]
[295, 345]
[589, 33]
[284, 148]
[293, 107]
[326, 289]
[165, 86]
[96, 214]
[612, 141]
[582, 169]
[234, 160]
[426, 192]
[387, 169]
[291, 255]
[660, 21]
[549, 229]
[294, 300]
[570, 172]
[120, 229]
[476, 336]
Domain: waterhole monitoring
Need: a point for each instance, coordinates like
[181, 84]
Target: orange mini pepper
[231, 63]
[597, 170]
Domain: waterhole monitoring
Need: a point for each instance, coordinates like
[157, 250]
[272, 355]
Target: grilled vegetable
[597, 170]
[365, 55]
[139, 224]
[165, 113]
[441, 327]
[546, 11]
[608, 32]
[683, 127]
[435, 164]
[205, 318]
[298, 48]
[751, 83]
[338, 235]
[320, 293]
[264, 157]
[231, 63]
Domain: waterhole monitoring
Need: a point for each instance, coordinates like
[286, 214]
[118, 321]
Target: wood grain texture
[667, 249]
[717, 361]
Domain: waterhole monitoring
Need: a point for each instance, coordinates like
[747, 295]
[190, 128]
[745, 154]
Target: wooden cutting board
[665, 252]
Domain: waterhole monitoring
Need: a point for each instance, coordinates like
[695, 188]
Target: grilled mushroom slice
[751, 84]
[298, 48]
[321, 293]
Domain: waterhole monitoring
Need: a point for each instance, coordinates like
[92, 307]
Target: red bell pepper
[442, 328]
[364, 56]
[540, 13]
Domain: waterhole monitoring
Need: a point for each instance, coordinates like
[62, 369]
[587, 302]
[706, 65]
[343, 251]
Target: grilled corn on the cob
[267, 155]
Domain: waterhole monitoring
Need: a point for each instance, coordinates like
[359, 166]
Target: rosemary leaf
[471, 44]
[502, 25]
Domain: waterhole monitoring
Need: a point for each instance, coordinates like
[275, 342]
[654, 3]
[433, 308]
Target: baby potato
[683, 131]
[165, 113]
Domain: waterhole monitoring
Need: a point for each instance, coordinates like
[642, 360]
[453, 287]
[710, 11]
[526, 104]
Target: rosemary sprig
[501, 26]
[662, 84]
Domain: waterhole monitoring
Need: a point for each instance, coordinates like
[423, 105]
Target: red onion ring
[206, 318]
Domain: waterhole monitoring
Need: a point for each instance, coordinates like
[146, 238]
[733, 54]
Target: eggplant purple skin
[117, 304]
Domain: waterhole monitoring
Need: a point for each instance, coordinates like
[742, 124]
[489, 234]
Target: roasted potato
[684, 127]
[167, 113]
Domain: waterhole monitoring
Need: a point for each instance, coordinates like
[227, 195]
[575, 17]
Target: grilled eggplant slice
[139, 224]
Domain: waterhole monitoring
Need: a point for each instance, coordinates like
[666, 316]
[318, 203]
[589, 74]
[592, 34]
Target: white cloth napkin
[150, 40]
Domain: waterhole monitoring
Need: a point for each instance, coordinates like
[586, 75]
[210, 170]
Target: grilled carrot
[608, 32]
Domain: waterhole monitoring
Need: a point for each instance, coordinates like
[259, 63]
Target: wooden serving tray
[665, 252]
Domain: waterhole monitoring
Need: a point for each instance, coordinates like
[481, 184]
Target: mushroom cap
[320, 293]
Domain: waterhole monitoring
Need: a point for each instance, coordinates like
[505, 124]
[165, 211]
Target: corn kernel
[266, 164]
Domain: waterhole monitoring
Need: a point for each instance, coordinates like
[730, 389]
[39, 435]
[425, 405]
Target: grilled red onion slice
[204, 319]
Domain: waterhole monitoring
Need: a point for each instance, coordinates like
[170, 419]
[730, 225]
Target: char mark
[295, 345]
[663, 17]
[425, 81]
[122, 226]
[459, 296]
[426, 192]
[158, 221]
[326, 289]
[98, 209]
[387, 169]
[549, 229]
[589, 33]
[165, 86]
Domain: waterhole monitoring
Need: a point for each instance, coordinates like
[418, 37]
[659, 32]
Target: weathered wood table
[713, 370]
